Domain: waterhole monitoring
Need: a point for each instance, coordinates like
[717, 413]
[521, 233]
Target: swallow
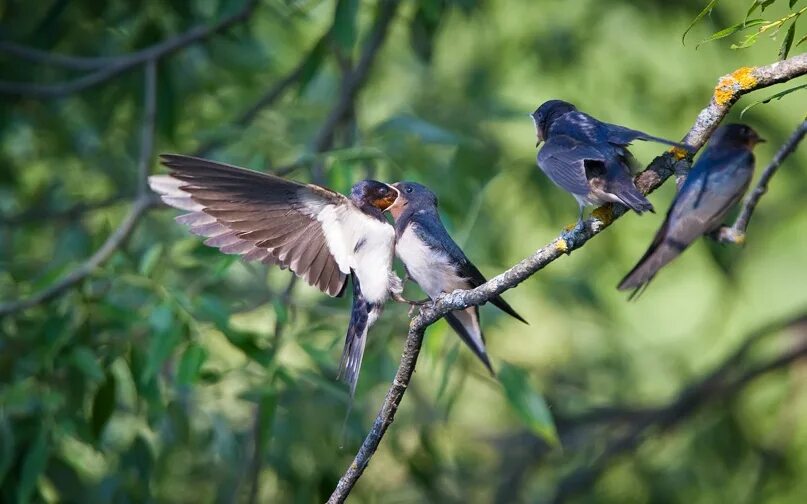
[322, 236]
[589, 158]
[436, 263]
[715, 183]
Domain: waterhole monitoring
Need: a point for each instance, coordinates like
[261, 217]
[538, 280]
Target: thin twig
[729, 89]
[54, 59]
[736, 233]
[143, 202]
[119, 65]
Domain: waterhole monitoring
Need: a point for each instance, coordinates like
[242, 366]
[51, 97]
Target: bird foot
[728, 235]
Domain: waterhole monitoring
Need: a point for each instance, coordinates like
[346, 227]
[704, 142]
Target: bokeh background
[176, 374]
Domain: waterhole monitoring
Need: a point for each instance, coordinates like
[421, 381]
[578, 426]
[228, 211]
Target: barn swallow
[715, 183]
[320, 235]
[436, 263]
[589, 158]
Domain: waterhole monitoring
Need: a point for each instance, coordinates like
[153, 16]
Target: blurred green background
[177, 374]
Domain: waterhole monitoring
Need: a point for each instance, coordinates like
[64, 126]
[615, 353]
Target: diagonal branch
[142, 203]
[736, 233]
[115, 66]
[727, 92]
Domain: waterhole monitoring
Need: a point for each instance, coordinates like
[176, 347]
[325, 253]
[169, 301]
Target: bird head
[412, 195]
[546, 114]
[373, 193]
[737, 134]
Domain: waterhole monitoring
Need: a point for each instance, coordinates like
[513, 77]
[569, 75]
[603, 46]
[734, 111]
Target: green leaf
[801, 40]
[777, 96]
[86, 362]
[706, 10]
[792, 3]
[787, 42]
[344, 23]
[6, 447]
[191, 364]
[312, 65]
[150, 259]
[528, 403]
[32, 466]
[731, 30]
[103, 405]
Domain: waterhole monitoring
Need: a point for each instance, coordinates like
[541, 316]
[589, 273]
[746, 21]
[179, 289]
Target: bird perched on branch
[715, 183]
[589, 158]
[320, 235]
[436, 263]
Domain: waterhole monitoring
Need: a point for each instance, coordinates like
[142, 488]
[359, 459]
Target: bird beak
[387, 201]
[399, 202]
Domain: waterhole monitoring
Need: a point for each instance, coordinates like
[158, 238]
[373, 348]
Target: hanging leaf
[706, 10]
[191, 363]
[103, 405]
[787, 42]
[528, 403]
[36, 458]
[777, 96]
[344, 23]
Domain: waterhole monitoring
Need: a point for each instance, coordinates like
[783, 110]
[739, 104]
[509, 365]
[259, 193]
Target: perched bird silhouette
[320, 235]
[436, 262]
[589, 158]
[715, 183]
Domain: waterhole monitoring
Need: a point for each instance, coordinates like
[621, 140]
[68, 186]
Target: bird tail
[362, 316]
[620, 184]
[466, 324]
[660, 253]
[501, 304]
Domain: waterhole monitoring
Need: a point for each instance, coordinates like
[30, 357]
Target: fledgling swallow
[320, 235]
[715, 183]
[436, 263]
[589, 158]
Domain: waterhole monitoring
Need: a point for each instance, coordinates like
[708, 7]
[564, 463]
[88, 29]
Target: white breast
[362, 244]
[431, 270]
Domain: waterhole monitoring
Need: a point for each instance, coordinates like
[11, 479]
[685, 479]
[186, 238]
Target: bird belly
[432, 270]
[372, 260]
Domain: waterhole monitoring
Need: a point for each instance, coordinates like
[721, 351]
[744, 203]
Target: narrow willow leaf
[150, 259]
[344, 23]
[706, 10]
[777, 96]
[800, 41]
[528, 403]
[7, 446]
[190, 365]
[103, 405]
[787, 42]
[792, 3]
[731, 30]
[751, 10]
[32, 466]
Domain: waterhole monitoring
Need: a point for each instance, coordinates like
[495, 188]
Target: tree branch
[143, 202]
[727, 92]
[115, 66]
[718, 383]
[736, 233]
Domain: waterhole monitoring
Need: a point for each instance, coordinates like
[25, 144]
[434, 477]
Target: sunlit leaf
[731, 30]
[528, 403]
[706, 10]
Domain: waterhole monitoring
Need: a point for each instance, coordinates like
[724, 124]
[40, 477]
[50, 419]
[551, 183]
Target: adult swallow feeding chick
[715, 183]
[589, 158]
[320, 235]
[436, 262]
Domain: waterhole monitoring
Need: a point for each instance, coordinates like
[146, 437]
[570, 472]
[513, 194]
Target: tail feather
[654, 259]
[501, 304]
[633, 199]
[362, 316]
[466, 324]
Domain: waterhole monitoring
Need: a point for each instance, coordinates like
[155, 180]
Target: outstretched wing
[260, 217]
[563, 159]
[620, 135]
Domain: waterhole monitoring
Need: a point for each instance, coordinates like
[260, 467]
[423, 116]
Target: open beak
[399, 202]
[387, 201]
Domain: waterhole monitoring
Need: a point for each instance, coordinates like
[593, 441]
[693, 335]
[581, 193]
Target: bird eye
[383, 190]
[409, 189]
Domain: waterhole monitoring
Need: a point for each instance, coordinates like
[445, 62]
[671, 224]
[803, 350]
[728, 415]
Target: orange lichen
[561, 245]
[605, 214]
[729, 85]
[678, 153]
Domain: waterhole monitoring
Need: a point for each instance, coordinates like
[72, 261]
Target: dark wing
[563, 159]
[432, 232]
[259, 216]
